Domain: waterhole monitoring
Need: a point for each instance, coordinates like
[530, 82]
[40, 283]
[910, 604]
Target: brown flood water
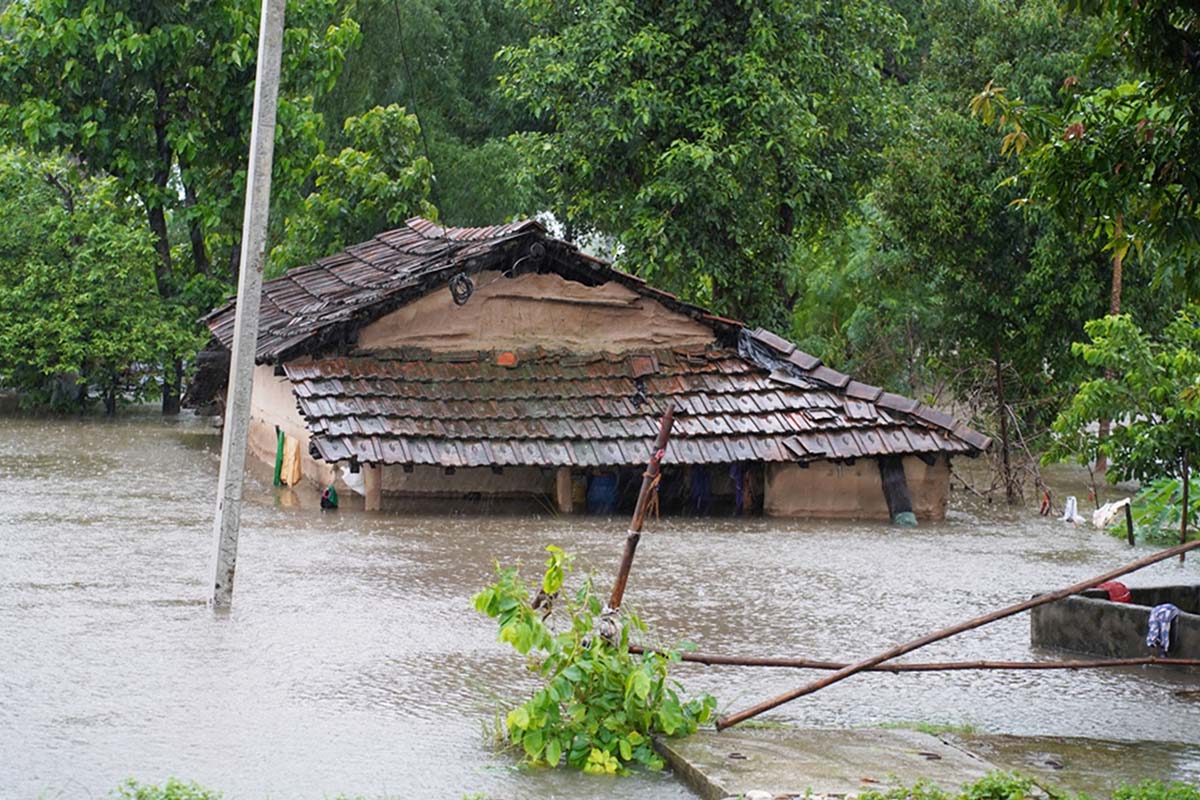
[352, 662]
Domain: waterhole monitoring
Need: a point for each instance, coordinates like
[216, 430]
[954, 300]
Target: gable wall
[535, 310]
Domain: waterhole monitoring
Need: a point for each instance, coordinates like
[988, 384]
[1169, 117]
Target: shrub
[171, 790]
[600, 704]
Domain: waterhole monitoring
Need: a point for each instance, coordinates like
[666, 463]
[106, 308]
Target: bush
[600, 705]
[171, 790]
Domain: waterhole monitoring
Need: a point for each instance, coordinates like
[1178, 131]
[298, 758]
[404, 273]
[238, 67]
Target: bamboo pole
[946, 633]
[649, 482]
[931, 666]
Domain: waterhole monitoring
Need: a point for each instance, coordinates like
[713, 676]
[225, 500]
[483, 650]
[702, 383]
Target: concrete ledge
[796, 762]
[1089, 624]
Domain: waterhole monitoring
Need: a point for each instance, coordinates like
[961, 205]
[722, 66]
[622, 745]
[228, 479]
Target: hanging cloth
[290, 472]
[1071, 512]
[278, 456]
[1159, 634]
[1117, 591]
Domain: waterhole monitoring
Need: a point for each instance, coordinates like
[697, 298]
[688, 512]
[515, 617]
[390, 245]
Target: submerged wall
[273, 404]
[1116, 630]
[535, 311]
[853, 491]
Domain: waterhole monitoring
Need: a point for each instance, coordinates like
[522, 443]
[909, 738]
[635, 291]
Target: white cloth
[354, 481]
[1103, 516]
[1071, 512]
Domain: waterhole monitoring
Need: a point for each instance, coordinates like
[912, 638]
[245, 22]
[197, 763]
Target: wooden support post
[649, 485]
[1129, 522]
[895, 490]
[245, 331]
[372, 486]
[562, 490]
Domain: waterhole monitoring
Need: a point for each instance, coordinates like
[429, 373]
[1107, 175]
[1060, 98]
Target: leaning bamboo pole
[649, 483]
[712, 660]
[946, 633]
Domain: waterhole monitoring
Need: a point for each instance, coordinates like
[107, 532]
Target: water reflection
[352, 663]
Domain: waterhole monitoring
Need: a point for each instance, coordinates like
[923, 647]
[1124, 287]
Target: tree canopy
[708, 138]
[436, 58]
[79, 311]
[376, 182]
[1155, 391]
[158, 96]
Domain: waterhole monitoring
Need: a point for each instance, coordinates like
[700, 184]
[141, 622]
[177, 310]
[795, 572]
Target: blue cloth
[701, 498]
[602, 494]
[1159, 634]
[736, 474]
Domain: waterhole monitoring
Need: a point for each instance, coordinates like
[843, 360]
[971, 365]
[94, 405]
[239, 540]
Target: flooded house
[502, 365]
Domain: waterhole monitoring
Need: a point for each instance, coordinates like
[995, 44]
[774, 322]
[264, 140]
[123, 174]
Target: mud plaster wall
[535, 310]
[853, 491]
[434, 482]
[272, 403]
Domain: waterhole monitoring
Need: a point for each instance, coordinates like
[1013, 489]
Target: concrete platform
[794, 762]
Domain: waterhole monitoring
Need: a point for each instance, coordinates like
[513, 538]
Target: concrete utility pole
[245, 336]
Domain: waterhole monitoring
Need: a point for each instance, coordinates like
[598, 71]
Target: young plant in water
[600, 705]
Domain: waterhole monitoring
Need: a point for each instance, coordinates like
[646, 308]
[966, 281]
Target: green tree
[955, 285]
[1121, 159]
[1119, 162]
[158, 95]
[1153, 394]
[79, 310]
[711, 139]
[437, 59]
[374, 183]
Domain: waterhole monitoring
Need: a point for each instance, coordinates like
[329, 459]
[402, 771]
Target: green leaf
[553, 752]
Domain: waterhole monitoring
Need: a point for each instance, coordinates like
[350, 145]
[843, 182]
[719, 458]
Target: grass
[1012, 786]
[932, 728]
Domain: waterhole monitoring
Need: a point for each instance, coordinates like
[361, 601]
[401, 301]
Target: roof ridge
[810, 367]
[428, 229]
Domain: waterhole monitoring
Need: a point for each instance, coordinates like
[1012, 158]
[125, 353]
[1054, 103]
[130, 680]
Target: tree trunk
[235, 260]
[172, 387]
[1002, 411]
[195, 231]
[155, 210]
[162, 246]
[1114, 308]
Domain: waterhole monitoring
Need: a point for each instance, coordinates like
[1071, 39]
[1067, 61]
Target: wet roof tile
[556, 410]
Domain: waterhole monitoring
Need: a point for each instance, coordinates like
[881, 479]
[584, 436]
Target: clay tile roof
[783, 346]
[804, 361]
[863, 391]
[754, 396]
[559, 409]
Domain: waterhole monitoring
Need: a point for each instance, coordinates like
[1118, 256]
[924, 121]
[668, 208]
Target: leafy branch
[600, 705]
